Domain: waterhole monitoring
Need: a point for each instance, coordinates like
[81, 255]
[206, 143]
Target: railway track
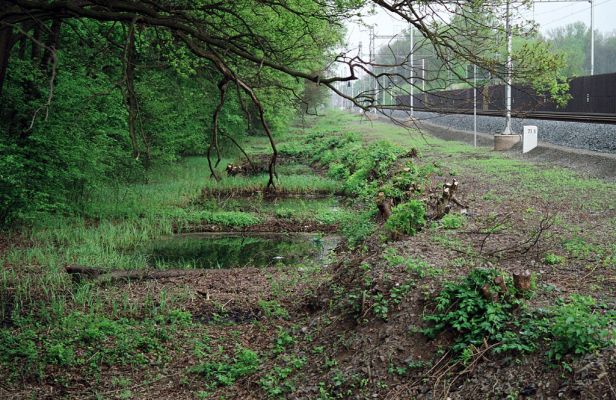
[549, 115]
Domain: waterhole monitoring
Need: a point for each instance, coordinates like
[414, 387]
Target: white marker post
[530, 138]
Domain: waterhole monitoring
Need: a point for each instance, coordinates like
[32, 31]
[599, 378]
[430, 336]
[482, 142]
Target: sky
[548, 15]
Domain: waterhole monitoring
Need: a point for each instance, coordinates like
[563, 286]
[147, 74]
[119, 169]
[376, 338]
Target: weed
[86, 340]
[553, 259]
[453, 221]
[407, 218]
[276, 383]
[577, 247]
[380, 306]
[578, 327]
[414, 265]
[463, 308]
[356, 228]
[226, 372]
[273, 309]
[283, 340]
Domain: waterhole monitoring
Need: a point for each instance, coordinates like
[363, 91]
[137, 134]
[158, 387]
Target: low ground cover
[413, 305]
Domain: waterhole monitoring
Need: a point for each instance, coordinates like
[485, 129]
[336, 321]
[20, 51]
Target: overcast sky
[548, 15]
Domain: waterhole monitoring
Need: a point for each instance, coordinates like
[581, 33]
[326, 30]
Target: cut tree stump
[384, 205]
[500, 282]
[444, 202]
[80, 273]
[522, 281]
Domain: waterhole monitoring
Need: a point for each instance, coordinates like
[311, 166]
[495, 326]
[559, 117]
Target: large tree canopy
[179, 65]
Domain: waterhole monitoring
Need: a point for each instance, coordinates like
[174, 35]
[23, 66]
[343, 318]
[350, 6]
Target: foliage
[462, 308]
[407, 218]
[54, 156]
[357, 227]
[273, 309]
[545, 70]
[86, 340]
[573, 328]
[414, 265]
[553, 259]
[578, 327]
[453, 221]
[572, 41]
[226, 372]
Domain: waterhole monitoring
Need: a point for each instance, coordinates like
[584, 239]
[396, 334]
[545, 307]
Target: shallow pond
[236, 250]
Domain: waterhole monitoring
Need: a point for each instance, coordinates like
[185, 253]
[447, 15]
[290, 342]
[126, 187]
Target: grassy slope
[95, 332]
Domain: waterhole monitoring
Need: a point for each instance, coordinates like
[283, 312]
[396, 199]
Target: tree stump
[384, 205]
[522, 281]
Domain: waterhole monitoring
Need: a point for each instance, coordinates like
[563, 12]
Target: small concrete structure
[530, 138]
[506, 142]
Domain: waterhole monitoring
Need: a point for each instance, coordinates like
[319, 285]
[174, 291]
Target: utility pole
[412, 45]
[423, 81]
[508, 73]
[372, 62]
[475, 105]
[423, 75]
[592, 37]
[359, 54]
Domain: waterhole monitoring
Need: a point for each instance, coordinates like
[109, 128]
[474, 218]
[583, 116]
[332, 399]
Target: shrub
[407, 217]
[453, 221]
[357, 227]
[462, 308]
[578, 328]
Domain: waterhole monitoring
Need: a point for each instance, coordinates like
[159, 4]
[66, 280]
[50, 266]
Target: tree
[254, 54]
[573, 41]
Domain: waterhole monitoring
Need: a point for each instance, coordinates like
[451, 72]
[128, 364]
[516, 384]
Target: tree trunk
[5, 48]
[35, 54]
[131, 95]
[53, 41]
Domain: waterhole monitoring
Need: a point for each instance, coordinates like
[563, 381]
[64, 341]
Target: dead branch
[80, 273]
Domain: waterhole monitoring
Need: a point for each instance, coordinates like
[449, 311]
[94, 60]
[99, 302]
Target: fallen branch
[79, 273]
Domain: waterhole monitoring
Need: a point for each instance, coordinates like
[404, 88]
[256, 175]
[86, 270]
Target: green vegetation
[479, 313]
[464, 308]
[553, 259]
[141, 141]
[453, 221]
[579, 327]
[86, 340]
[407, 217]
[229, 369]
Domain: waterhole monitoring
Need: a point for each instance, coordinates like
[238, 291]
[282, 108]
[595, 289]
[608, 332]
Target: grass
[326, 210]
[54, 327]
[292, 184]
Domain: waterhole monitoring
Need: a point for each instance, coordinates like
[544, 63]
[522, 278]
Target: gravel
[580, 135]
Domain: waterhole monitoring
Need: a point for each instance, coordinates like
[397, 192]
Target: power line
[586, 9]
